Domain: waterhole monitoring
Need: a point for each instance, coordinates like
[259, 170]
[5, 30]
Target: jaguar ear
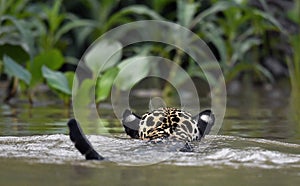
[131, 123]
[205, 121]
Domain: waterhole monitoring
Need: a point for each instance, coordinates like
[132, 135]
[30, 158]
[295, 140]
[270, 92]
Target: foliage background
[41, 42]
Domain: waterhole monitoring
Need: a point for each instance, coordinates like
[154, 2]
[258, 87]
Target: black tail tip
[93, 155]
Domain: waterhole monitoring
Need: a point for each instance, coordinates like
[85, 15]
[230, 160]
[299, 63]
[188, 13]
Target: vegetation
[41, 42]
[294, 63]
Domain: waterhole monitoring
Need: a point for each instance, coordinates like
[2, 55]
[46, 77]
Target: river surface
[258, 144]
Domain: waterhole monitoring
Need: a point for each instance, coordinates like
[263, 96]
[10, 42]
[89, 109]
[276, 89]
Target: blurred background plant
[32, 35]
[256, 41]
[293, 62]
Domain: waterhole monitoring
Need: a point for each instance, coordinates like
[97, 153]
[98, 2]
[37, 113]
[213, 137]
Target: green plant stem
[30, 97]
[12, 89]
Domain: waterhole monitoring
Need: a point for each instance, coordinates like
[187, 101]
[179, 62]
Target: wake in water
[216, 151]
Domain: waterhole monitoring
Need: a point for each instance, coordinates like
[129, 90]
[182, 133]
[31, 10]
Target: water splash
[215, 151]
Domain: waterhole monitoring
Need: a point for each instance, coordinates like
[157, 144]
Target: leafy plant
[16, 72]
[233, 28]
[56, 23]
[103, 17]
[104, 84]
[38, 37]
[17, 34]
[236, 35]
[13, 69]
[59, 82]
[104, 62]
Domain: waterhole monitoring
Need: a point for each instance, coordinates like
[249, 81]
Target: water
[51, 159]
[216, 151]
[258, 145]
[24, 173]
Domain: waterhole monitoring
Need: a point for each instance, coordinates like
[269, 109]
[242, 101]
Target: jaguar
[154, 126]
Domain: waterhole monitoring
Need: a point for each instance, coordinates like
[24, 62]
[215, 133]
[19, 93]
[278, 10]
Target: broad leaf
[56, 80]
[12, 68]
[53, 59]
[103, 55]
[132, 70]
[104, 84]
[17, 51]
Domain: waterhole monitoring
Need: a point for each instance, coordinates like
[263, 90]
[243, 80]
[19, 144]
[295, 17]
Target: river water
[258, 144]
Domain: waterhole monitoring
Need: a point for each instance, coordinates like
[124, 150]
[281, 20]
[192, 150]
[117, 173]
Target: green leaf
[186, 11]
[12, 68]
[71, 25]
[56, 80]
[160, 5]
[104, 84]
[132, 70]
[140, 10]
[269, 18]
[103, 55]
[54, 17]
[265, 72]
[53, 59]
[217, 7]
[70, 78]
[25, 30]
[83, 97]
[242, 47]
[214, 34]
[237, 69]
[16, 51]
[294, 14]
[132, 10]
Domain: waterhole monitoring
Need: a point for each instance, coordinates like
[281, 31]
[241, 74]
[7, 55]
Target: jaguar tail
[81, 143]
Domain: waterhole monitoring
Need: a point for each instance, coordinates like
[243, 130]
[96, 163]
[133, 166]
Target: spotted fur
[170, 123]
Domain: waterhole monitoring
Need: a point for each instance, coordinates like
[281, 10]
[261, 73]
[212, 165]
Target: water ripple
[216, 151]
